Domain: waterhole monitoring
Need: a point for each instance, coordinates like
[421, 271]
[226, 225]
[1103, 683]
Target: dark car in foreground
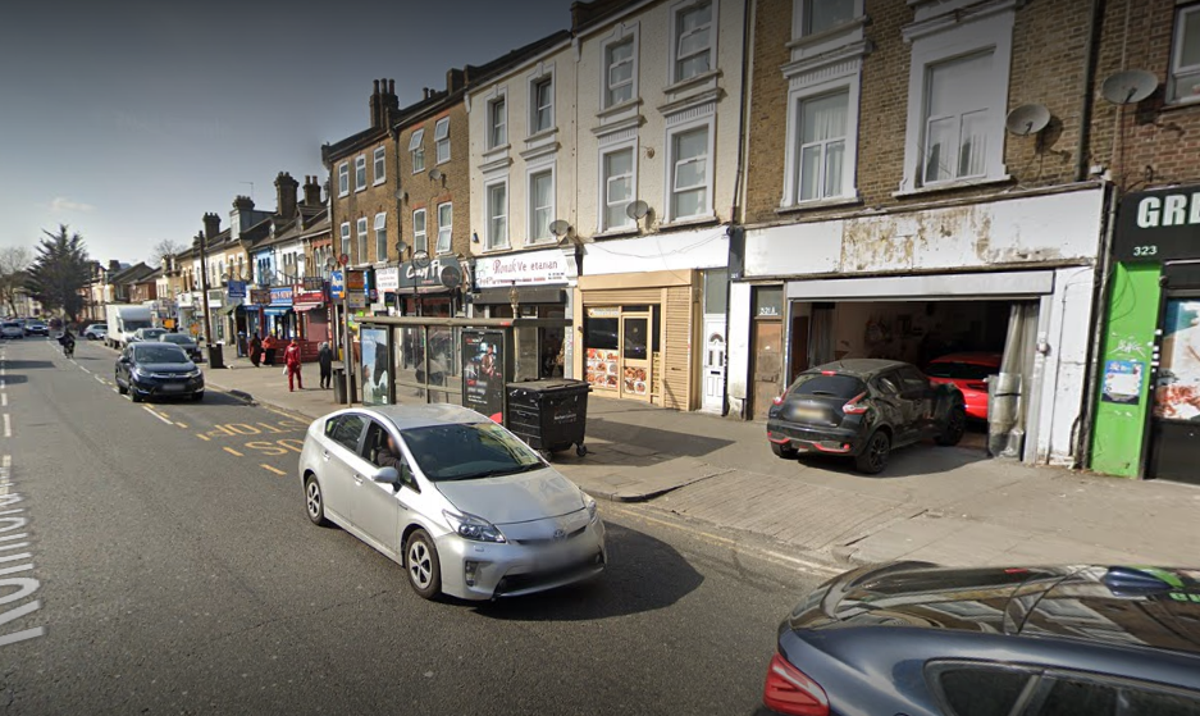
[863, 408]
[185, 342]
[157, 370]
[916, 639]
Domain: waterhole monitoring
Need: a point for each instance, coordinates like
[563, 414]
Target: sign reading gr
[1158, 225]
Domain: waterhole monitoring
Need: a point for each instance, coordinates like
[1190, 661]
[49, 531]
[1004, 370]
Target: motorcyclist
[67, 341]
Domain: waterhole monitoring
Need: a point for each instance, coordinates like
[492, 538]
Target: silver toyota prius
[468, 509]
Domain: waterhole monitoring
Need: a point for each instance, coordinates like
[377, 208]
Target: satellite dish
[420, 258]
[637, 210]
[436, 174]
[401, 195]
[451, 277]
[1027, 119]
[1129, 86]
[559, 228]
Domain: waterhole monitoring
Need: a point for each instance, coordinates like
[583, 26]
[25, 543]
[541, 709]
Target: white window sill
[623, 232]
[343, 194]
[828, 34]
[418, 171]
[619, 108]
[542, 135]
[690, 221]
[826, 203]
[360, 188]
[496, 250]
[501, 149]
[379, 182]
[694, 81]
[1181, 103]
[952, 185]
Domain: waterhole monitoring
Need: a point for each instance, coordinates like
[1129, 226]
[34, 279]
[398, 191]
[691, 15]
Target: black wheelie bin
[549, 415]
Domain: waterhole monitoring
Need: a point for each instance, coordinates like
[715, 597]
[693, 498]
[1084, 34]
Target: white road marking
[161, 417]
[100, 380]
[7, 425]
[85, 370]
[3, 400]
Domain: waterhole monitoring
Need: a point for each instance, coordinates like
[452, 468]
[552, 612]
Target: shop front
[309, 304]
[999, 294]
[387, 283]
[279, 316]
[431, 288]
[1148, 406]
[636, 336]
[533, 284]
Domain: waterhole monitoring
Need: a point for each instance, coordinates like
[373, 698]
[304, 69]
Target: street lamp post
[215, 359]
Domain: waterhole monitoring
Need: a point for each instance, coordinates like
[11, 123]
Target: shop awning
[276, 310]
[525, 294]
[302, 307]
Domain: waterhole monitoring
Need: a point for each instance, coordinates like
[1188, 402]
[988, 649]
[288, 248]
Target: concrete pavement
[947, 505]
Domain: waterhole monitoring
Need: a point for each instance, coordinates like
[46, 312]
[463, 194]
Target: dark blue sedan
[915, 639]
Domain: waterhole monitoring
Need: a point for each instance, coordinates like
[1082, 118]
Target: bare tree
[14, 263]
[166, 247]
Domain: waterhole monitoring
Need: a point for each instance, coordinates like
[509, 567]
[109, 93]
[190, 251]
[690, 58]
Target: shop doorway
[1174, 440]
[768, 364]
[637, 366]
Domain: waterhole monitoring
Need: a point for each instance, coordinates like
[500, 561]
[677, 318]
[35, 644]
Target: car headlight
[474, 528]
[193, 373]
[137, 373]
[590, 503]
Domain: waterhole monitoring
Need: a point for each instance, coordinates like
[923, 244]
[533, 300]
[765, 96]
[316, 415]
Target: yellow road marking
[182, 425]
[268, 467]
[202, 436]
[231, 451]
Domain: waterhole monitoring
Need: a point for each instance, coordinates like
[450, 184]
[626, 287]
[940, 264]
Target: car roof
[407, 417]
[861, 367]
[1146, 607]
[975, 358]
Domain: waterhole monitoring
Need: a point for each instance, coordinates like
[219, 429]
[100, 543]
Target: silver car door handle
[358, 479]
[325, 454]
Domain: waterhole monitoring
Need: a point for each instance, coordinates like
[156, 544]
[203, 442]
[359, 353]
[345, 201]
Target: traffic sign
[337, 286]
[344, 259]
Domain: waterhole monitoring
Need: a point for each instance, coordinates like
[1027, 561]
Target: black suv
[917, 639]
[863, 408]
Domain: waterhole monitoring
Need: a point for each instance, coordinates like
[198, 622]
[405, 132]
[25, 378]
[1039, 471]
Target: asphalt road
[175, 571]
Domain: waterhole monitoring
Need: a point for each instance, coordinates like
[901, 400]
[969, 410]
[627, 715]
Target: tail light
[777, 400]
[788, 691]
[855, 406]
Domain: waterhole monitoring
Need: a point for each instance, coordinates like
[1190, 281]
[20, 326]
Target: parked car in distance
[155, 370]
[863, 408]
[917, 639]
[95, 331]
[147, 334]
[12, 329]
[472, 511]
[184, 341]
[969, 372]
[37, 328]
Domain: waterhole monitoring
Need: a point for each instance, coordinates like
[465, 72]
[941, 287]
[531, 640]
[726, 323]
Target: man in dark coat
[325, 361]
[255, 350]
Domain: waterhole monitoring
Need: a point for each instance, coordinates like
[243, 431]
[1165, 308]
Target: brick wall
[366, 203]
[426, 193]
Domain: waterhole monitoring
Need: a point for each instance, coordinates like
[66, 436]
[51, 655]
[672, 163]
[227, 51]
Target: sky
[129, 120]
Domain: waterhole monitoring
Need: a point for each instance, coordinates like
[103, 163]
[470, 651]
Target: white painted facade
[1041, 248]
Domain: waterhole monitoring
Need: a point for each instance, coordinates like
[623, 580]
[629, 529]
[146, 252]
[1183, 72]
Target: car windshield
[960, 371]
[159, 354]
[468, 451]
[176, 338]
[829, 386]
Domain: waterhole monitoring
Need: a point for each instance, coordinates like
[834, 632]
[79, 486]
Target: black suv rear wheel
[874, 457]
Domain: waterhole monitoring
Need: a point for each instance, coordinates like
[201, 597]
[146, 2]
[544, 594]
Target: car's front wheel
[956, 425]
[422, 565]
[314, 501]
[120, 388]
[874, 457]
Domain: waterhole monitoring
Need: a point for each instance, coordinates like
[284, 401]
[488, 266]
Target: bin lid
[550, 384]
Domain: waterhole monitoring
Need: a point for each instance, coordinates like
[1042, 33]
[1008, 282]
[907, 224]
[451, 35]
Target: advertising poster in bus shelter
[376, 373]
[483, 372]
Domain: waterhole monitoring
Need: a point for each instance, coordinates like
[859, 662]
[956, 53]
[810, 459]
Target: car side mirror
[386, 475]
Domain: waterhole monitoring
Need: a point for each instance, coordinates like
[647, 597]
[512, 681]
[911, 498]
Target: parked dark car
[184, 341]
[156, 370]
[37, 328]
[863, 408]
[916, 639]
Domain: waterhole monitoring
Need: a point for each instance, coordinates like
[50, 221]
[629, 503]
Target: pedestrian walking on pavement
[325, 360]
[291, 358]
[255, 350]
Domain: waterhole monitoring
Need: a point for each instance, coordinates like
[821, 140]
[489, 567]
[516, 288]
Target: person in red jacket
[291, 357]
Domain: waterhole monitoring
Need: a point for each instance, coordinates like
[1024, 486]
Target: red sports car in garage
[968, 371]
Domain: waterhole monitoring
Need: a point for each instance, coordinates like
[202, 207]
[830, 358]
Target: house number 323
[1145, 250]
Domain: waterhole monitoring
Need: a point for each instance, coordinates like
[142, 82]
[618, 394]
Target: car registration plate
[171, 387]
[810, 413]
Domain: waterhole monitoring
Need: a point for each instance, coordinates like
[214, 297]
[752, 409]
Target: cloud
[62, 205]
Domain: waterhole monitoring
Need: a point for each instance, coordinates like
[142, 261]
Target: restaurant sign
[534, 268]
[436, 275]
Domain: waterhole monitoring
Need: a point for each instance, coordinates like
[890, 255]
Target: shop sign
[355, 281]
[1159, 225]
[260, 296]
[387, 279]
[313, 283]
[237, 289]
[435, 275]
[606, 312]
[187, 299]
[356, 300]
[301, 295]
[281, 296]
[483, 372]
[216, 298]
[529, 268]
[337, 286]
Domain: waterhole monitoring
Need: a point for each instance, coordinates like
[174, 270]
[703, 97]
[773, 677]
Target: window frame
[344, 179]
[360, 244]
[416, 149]
[620, 36]
[928, 119]
[491, 242]
[448, 227]
[443, 141]
[932, 45]
[344, 234]
[671, 168]
[802, 13]
[379, 160]
[793, 155]
[674, 61]
[493, 141]
[531, 212]
[602, 219]
[535, 106]
[420, 238]
[381, 242]
[360, 172]
[1176, 72]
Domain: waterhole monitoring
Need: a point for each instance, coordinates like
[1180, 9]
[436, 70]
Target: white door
[713, 370]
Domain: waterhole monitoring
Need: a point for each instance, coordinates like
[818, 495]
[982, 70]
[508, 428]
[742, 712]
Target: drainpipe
[737, 211]
[1100, 299]
[1088, 99]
